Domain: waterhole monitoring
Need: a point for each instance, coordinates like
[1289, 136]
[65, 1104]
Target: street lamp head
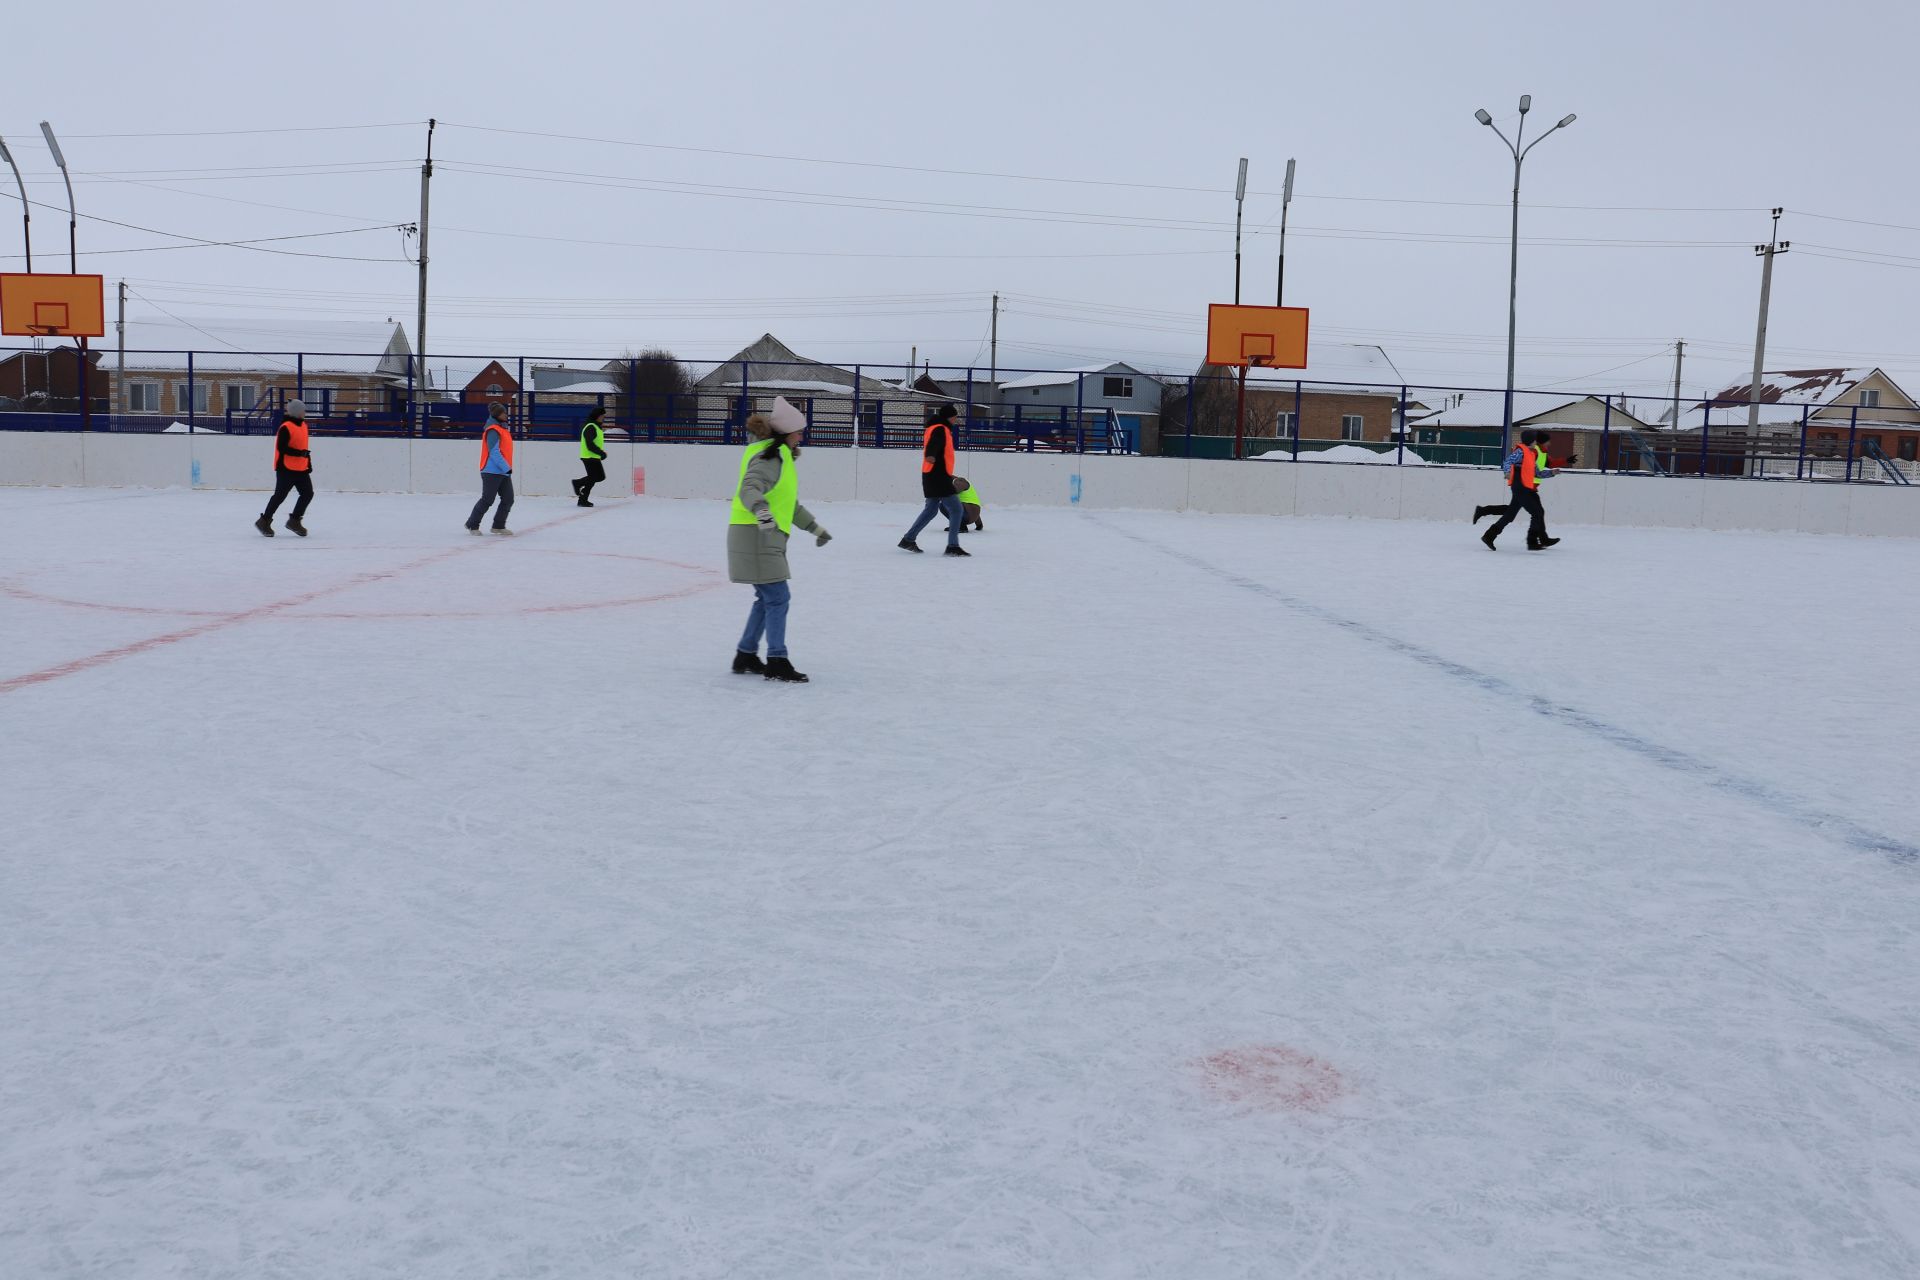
[1240, 188]
[53, 144]
[1526, 103]
[1483, 116]
[1569, 119]
[6, 156]
[1286, 192]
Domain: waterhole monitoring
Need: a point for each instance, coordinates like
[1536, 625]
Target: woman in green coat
[766, 515]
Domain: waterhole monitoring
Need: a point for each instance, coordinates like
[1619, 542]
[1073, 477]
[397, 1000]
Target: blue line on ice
[1781, 803]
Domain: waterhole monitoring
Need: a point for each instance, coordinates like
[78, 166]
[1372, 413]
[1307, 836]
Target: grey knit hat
[297, 410]
[498, 410]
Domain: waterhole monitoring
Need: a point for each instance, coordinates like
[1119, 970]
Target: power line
[235, 133]
[253, 245]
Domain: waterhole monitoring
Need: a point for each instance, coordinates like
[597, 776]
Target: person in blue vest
[766, 517]
[496, 471]
[593, 456]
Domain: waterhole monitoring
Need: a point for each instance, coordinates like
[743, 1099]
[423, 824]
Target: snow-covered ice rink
[1149, 895]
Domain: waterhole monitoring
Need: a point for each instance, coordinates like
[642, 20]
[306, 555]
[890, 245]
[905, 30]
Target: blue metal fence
[886, 406]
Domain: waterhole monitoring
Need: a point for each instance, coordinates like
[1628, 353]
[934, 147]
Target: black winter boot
[294, 526]
[1487, 538]
[908, 544]
[957, 550]
[1545, 543]
[782, 670]
[748, 664]
[265, 525]
[1481, 513]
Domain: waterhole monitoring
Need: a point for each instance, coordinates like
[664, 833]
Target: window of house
[1870, 397]
[143, 397]
[1287, 425]
[1117, 388]
[199, 398]
[1872, 444]
[495, 390]
[1352, 426]
[240, 397]
[1036, 391]
[315, 398]
[1909, 448]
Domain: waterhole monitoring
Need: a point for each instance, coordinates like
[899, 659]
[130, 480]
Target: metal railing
[1115, 410]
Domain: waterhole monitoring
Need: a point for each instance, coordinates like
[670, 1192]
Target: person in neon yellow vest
[969, 503]
[593, 456]
[766, 515]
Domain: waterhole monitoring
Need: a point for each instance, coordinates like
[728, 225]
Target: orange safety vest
[1529, 461]
[506, 444]
[296, 439]
[926, 463]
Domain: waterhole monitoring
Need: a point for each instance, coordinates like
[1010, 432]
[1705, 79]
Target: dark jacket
[937, 480]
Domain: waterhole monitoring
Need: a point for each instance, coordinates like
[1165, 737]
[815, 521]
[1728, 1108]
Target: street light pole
[1519, 151]
[1280, 279]
[26, 210]
[73, 218]
[1239, 206]
[73, 265]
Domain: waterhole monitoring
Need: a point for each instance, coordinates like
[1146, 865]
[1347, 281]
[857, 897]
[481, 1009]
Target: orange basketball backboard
[52, 306]
[1269, 337]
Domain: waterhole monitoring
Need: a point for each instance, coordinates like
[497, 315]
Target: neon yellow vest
[971, 495]
[591, 432]
[1541, 454]
[783, 497]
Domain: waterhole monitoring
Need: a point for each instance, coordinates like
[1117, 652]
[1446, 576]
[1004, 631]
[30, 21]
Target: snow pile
[1346, 453]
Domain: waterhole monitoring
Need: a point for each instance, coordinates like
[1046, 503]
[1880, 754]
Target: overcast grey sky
[874, 215]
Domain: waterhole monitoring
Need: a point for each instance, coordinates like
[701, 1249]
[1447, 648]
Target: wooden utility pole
[420, 320]
[1679, 352]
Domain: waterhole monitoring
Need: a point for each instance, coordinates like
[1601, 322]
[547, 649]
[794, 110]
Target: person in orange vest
[292, 470]
[936, 483]
[496, 471]
[1522, 471]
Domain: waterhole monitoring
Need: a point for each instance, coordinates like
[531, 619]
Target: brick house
[1861, 409]
[1348, 392]
[48, 381]
[492, 385]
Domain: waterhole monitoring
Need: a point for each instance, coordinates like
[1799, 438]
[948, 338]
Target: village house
[747, 382]
[223, 372]
[1349, 392]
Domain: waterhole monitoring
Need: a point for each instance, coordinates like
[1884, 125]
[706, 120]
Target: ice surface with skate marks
[1148, 895]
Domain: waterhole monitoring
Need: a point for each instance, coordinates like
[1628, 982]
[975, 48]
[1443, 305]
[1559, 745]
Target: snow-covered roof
[1066, 377]
[1796, 386]
[600, 387]
[1488, 409]
[560, 377]
[266, 345]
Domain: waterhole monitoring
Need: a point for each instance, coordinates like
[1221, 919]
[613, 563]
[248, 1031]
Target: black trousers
[284, 483]
[493, 485]
[595, 474]
[1527, 500]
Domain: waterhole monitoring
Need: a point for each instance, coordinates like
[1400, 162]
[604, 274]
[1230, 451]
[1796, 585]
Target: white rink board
[544, 469]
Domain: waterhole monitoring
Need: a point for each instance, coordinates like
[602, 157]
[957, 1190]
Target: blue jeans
[950, 507]
[768, 615]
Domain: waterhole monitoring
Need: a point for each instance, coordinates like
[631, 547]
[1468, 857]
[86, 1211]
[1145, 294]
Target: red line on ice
[106, 656]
